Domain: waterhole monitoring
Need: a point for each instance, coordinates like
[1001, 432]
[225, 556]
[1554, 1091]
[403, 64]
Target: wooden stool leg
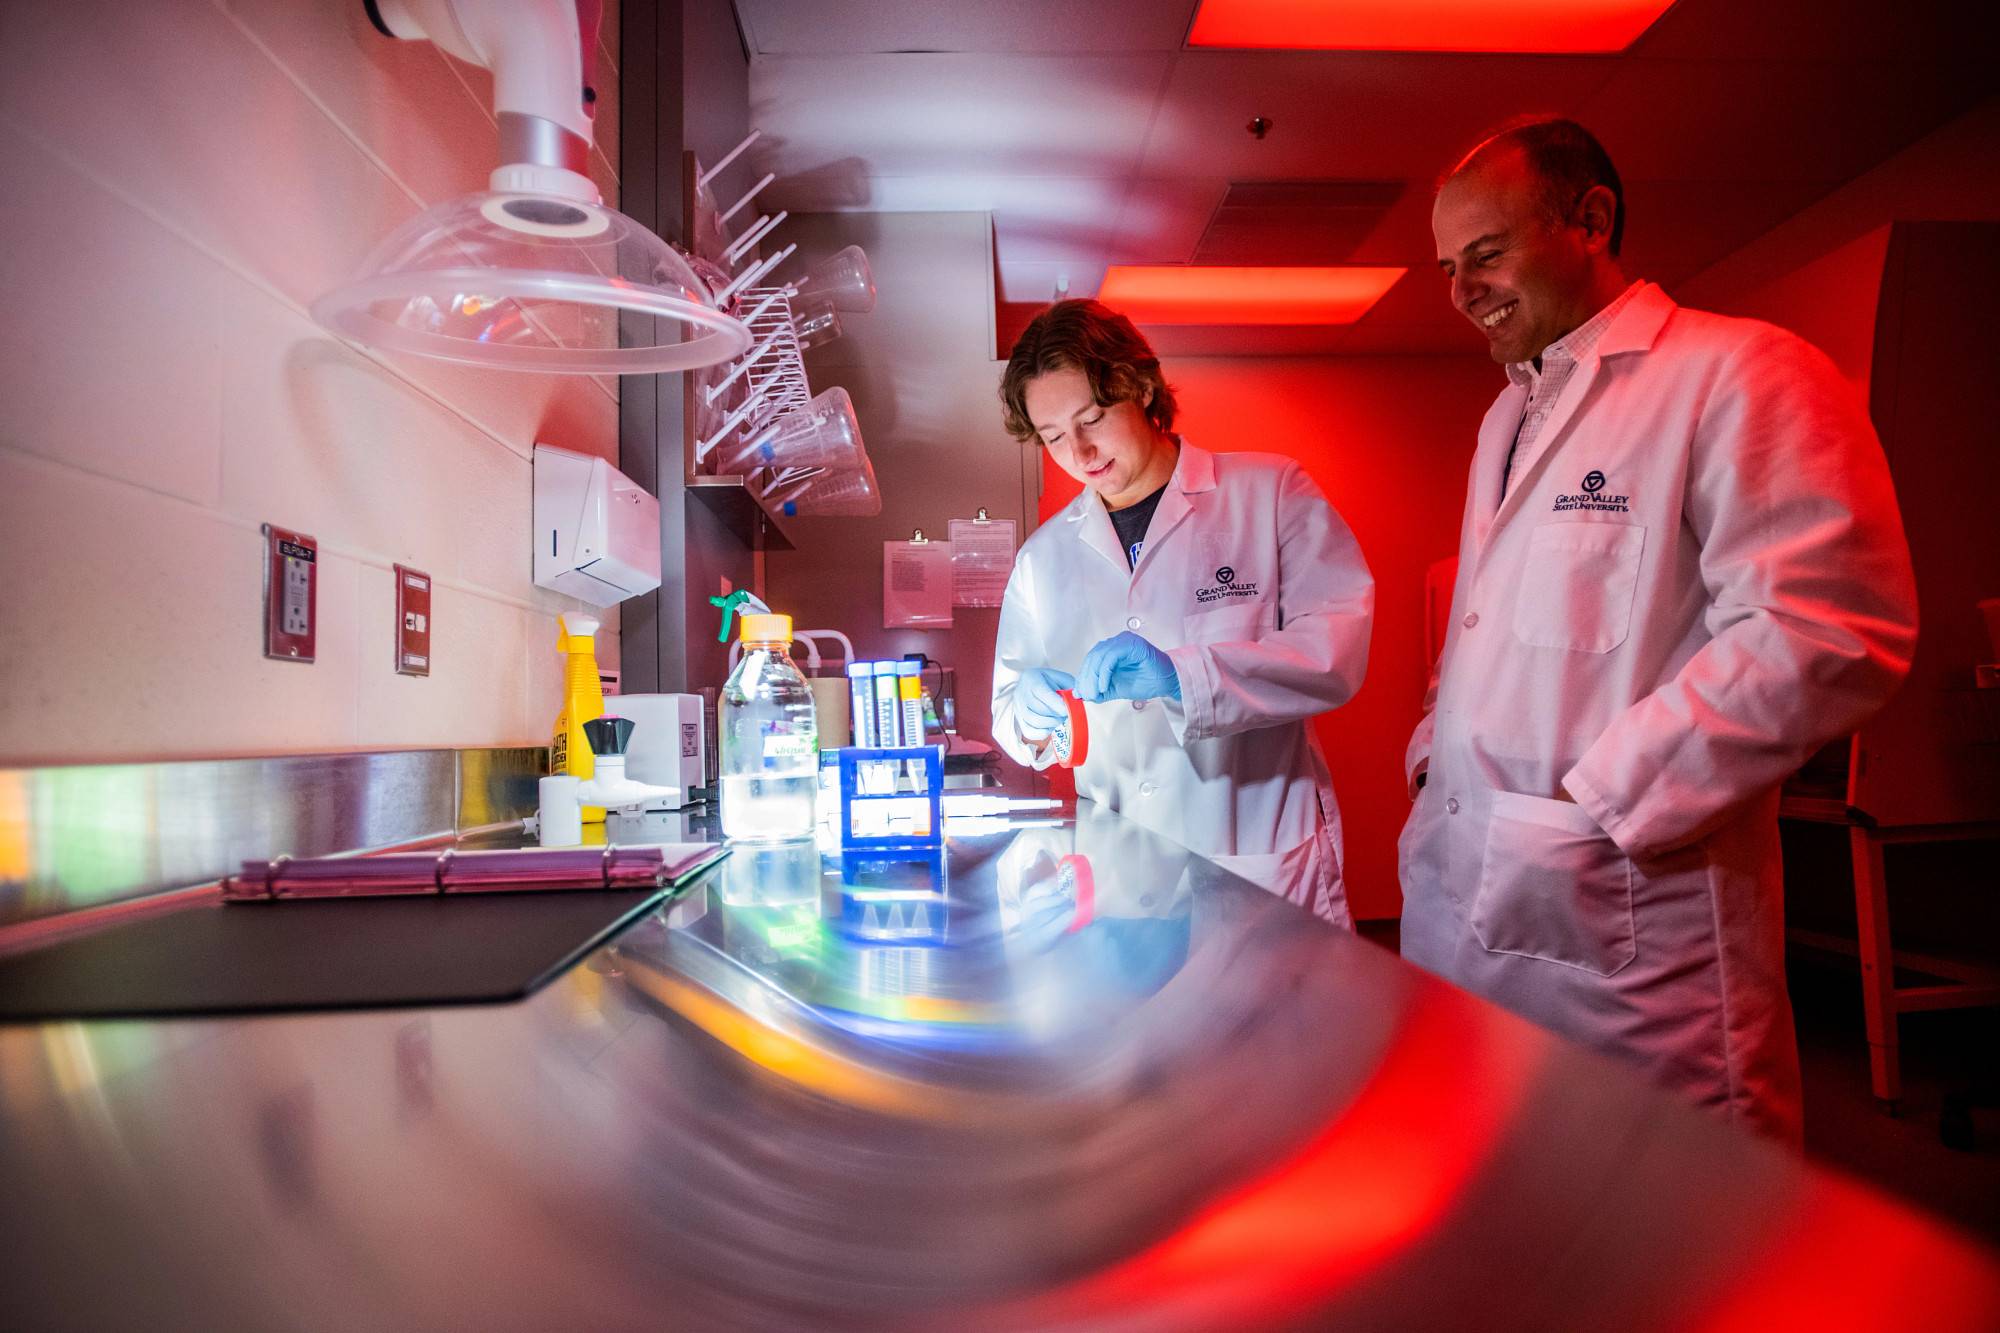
[1878, 968]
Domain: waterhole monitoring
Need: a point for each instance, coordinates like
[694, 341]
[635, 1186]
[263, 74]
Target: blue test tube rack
[929, 759]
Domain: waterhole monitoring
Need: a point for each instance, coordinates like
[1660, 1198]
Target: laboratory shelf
[743, 510]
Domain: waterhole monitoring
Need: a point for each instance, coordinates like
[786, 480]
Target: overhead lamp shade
[844, 279]
[533, 282]
[822, 434]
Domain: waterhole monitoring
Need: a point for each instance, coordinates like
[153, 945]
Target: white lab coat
[1697, 577]
[1257, 591]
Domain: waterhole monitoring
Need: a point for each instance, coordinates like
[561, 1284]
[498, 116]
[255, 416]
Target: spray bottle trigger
[731, 605]
[728, 605]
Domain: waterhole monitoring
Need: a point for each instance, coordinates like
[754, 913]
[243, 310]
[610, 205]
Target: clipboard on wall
[982, 559]
[916, 583]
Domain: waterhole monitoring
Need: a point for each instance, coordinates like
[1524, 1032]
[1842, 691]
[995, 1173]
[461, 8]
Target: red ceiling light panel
[1211, 294]
[1566, 27]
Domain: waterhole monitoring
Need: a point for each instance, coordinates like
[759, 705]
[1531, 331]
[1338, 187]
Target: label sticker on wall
[413, 622]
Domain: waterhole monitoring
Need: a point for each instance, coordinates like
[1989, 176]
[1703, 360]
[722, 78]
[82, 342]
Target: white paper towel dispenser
[597, 532]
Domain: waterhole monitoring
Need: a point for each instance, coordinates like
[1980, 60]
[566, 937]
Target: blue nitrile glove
[1126, 666]
[1038, 709]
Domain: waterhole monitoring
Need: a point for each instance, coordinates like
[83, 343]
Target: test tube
[888, 707]
[888, 723]
[861, 702]
[910, 690]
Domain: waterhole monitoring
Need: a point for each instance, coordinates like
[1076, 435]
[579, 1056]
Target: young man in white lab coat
[1204, 606]
[1681, 571]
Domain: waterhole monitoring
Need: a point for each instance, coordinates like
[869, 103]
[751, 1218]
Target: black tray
[340, 953]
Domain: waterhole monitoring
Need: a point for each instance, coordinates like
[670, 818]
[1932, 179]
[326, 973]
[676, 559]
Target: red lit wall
[1389, 440]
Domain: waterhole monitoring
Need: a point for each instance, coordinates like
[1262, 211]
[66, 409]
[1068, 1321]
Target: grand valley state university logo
[1592, 497]
[1224, 588]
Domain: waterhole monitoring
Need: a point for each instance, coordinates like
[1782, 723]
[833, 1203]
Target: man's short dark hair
[1095, 339]
[1568, 161]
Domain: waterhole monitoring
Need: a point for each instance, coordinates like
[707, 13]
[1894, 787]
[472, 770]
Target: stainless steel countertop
[1065, 1077]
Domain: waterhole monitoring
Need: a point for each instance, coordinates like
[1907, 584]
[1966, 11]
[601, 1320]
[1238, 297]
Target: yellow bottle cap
[757, 628]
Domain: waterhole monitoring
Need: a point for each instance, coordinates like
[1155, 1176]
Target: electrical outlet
[291, 594]
[413, 622]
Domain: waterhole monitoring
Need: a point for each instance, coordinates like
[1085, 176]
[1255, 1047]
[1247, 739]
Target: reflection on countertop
[1062, 1076]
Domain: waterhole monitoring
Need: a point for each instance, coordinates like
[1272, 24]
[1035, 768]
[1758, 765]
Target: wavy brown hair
[1095, 339]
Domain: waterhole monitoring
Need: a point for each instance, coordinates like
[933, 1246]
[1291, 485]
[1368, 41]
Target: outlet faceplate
[291, 594]
[413, 622]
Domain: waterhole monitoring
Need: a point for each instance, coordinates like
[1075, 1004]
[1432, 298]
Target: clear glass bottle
[769, 760]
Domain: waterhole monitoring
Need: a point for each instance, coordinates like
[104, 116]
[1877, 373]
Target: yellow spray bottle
[583, 701]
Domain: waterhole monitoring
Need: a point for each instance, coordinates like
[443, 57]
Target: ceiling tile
[1360, 116]
[925, 115]
[1403, 235]
[1746, 120]
[1818, 30]
[1295, 222]
[1036, 219]
[1087, 136]
[829, 27]
[1163, 220]
[1421, 299]
[1675, 229]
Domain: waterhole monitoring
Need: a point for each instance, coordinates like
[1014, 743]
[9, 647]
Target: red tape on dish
[1073, 743]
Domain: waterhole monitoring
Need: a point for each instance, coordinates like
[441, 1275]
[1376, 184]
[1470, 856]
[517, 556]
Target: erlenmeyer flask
[843, 279]
[853, 493]
[814, 322]
[821, 434]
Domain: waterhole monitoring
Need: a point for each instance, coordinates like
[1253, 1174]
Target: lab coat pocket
[1554, 886]
[1225, 624]
[1577, 586]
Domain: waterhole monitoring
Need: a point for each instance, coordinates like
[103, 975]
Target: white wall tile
[317, 437]
[607, 37]
[543, 667]
[478, 681]
[397, 97]
[132, 626]
[112, 342]
[606, 126]
[173, 104]
[196, 177]
[512, 407]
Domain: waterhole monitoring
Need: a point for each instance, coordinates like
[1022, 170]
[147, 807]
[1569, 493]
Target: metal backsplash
[84, 836]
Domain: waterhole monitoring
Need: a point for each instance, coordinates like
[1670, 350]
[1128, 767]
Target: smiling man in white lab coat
[1204, 606]
[1681, 571]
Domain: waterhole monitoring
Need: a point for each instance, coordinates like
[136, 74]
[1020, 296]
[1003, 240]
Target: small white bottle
[768, 739]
